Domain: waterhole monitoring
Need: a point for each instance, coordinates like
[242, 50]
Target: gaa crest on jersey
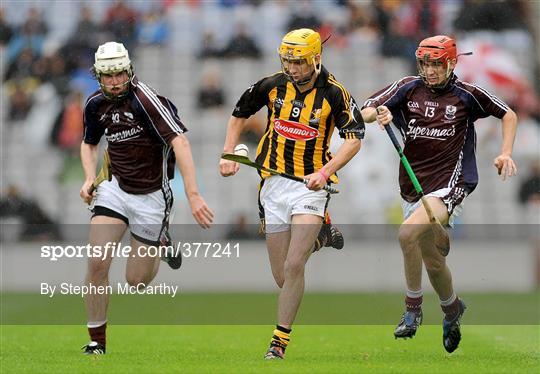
[450, 112]
[294, 130]
[413, 105]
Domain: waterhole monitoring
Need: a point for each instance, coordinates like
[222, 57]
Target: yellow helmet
[301, 44]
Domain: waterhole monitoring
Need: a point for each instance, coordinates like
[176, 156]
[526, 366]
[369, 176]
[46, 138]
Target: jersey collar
[134, 81]
[322, 79]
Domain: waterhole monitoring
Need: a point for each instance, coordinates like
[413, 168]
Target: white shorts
[282, 198]
[147, 215]
[447, 195]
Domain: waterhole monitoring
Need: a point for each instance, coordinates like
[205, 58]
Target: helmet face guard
[110, 59]
[301, 48]
[436, 52]
[305, 69]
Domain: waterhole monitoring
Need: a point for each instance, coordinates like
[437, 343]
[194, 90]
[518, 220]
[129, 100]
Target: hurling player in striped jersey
[305, 105]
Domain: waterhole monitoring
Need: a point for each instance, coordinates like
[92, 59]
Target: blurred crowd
[31, 63]
[397, 25]
[36, 57]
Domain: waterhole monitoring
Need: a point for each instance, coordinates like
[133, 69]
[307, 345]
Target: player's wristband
[323, 174]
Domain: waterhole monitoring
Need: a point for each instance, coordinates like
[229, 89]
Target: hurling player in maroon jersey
[435, 112]
[145, 139]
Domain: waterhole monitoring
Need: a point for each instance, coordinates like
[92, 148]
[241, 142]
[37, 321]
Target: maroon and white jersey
[139, 130]
[438, 131]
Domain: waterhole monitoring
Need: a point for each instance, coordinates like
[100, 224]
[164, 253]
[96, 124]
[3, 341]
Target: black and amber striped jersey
[300, 124]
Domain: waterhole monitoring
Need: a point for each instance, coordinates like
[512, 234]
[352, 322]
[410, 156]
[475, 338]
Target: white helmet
[112, 58]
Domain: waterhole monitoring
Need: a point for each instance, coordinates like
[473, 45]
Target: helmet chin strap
[109, 87]
[306, 80]
[441, 85]
[117, 85]
[316, 70]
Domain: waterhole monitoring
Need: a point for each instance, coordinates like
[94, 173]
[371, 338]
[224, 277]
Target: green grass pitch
[239, 349]
[221, 347]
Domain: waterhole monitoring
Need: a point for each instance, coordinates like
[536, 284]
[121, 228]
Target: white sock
[450, 300]
[93, 325]
[415, 294]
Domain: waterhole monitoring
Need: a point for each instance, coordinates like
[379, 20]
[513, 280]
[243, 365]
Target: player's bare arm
[234, 129]
[504, 163]
[89, 157]
[182, 151]
[344, 154]
[381, 114]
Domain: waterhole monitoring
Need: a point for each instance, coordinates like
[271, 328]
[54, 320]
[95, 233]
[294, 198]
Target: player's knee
[294, 267]
[98, 271]
[408, 235]
[137, 280]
